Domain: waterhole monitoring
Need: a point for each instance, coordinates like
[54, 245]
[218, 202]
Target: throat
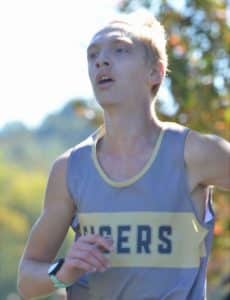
[123, 168]
[126, 165]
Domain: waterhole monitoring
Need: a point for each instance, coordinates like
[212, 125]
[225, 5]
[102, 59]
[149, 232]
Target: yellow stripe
[134, 178]
[187, 238]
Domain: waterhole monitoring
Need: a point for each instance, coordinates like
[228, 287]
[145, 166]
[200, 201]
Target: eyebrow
[113, 41]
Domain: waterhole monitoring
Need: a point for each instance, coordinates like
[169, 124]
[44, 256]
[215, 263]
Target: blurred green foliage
[25, 159]
[35, 149]
[20, 204]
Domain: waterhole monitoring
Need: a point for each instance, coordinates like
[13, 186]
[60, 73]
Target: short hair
[148, 30]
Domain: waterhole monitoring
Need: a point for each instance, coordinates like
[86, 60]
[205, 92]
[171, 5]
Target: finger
[99, 240]
[109, 240]
[89, 258]
[95, 252]
[78, 263]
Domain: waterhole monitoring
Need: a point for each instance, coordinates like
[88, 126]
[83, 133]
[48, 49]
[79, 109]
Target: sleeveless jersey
[161, 244]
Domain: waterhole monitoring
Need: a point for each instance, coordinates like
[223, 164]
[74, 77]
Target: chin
[107, 102]
[106, 105]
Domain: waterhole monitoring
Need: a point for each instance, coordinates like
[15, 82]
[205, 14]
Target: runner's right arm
[46, 238]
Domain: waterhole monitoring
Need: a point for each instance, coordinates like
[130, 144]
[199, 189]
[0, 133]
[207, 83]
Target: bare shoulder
[199, 146]
[56, 186]
[60, 164]
[207, 156]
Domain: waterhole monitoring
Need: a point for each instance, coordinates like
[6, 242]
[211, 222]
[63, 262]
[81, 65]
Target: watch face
[55, 266]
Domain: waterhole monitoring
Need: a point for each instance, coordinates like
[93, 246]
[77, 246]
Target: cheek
[136, 74]
[90, 74]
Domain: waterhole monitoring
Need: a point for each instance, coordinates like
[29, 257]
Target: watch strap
[58, 283]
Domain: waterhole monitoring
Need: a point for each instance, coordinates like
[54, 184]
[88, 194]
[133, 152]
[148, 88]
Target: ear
[156, 74]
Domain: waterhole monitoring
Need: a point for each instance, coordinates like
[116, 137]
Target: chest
[124, 168]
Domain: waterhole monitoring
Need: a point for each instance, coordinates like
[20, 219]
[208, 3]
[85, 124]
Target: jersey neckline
[99, 134]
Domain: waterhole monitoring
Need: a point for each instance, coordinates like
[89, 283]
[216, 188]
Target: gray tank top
[161, 245]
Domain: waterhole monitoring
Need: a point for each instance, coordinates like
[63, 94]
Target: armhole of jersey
[209, 214]
[209, 211]
[69, 183]
[67, 177]
[74, 223]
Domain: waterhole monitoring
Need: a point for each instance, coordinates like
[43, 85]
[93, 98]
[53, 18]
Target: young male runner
[143, 182]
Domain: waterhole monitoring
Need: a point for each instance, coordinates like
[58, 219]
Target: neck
[127, 132]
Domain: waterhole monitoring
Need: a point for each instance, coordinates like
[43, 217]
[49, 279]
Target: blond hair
[144, 27]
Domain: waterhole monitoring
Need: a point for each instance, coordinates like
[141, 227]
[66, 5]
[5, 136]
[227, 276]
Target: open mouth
[105, 79]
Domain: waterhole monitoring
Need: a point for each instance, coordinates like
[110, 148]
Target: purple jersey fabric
[161, 244]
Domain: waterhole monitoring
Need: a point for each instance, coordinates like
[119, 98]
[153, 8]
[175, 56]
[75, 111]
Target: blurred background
[47, 104]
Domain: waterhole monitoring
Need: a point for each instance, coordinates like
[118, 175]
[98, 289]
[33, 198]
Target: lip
[105, 85]
[100, 76]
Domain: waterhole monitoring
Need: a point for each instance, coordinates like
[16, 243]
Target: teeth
[104, 77]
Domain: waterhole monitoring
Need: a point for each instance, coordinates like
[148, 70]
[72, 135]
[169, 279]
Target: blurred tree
[37, 148]
[198, 47]
[20, 204]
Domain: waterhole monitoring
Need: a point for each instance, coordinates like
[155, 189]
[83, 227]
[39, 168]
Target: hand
[86, 255]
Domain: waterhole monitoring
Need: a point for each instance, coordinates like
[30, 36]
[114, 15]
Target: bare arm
[47, 236]
[208, 160]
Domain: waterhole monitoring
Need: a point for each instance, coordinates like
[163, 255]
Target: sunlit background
[42, 54]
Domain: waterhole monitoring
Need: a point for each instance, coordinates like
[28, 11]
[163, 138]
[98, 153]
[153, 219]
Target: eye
[120, 49]
[92, 55]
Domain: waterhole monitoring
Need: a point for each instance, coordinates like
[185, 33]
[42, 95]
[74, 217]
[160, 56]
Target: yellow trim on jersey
[186, 237]
[132, 179]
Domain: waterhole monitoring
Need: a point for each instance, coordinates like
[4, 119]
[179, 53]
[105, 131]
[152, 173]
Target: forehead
[111, 33]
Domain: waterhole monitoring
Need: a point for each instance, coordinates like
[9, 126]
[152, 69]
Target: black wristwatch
[52, 271]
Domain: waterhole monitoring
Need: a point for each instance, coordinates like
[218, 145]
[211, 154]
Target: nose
[102, 61]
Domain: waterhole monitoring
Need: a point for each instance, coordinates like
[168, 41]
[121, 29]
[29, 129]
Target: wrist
[54, 269]
[66, 276]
